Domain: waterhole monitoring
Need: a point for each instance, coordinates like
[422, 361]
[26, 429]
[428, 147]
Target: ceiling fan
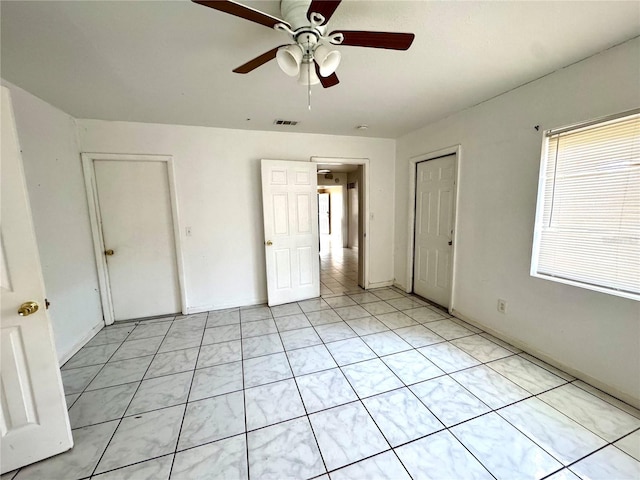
[310, 57]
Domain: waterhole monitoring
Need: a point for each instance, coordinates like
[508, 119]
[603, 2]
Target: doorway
[341, 186]
[133, 217]
[435, 201]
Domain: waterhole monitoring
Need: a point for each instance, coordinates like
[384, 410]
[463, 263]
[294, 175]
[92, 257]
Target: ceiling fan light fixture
[308, 75]
[328, 60]
[289, 58]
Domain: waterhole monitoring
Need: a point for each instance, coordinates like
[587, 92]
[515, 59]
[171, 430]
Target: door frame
[88, 168]
[365, 214]
[413, 166]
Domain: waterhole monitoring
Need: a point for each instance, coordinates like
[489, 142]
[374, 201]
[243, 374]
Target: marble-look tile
[424, 315]
[395, 320]
[264, 345]
[76, 379]
[352, 312]
[217, 380]
[349, 351]
[630, 444]
[285, 310]
[384, 466]
[111, 335]
[386, 343]
[181, 340]
[266, 369]
[340, 301]
[272, 403]
[401, 416]
[303, 337]
[480, 348]
[412, 367]
[195, 323]
[489, 386]
[212, 419]
[564, 474]
[449, 401]
[405, 303]
[292, 322]
[173, 362]
[143, 437]
[259, 327]
[137, 348]
[486, 438]
[310, 359]
[227, 458]
[219, 353]
[119, 373]
[79, 462]
[473, 328]
[101, 405]
[70, 400]
[608, 398]
[488, 336]
[10, 475]
[254, 314]
[440, 456]
[608, 463]
[448, 330]
[367, 325]
[313, 305]
[418, 336]
[223, 317]
[448, 357]
[346, 434]
[323, 317]
[371, 377]
[363, 298]
[325, 389]
[563, 438]
[378, 307]
[546, 366]
[386, 294]
[591, 412]
[221, 334]
[285, 450]
[161, 392]
[333, 332]
[156, 469]
[148, 330]
[87, 356]
[526, 374]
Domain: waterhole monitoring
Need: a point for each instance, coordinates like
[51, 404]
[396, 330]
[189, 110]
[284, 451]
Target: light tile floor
[331, 388]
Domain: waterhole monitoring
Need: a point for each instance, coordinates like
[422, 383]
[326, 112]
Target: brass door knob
[109, 252]
[269, 243]
[28, 308]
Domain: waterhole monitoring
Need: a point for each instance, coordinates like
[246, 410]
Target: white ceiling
[171, 62]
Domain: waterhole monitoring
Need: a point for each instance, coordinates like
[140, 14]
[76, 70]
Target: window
[587, 229]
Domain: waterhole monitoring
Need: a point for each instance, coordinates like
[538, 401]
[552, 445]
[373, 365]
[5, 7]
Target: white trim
[80, 343]
[413, 161]
[96, 223]
[366, 176]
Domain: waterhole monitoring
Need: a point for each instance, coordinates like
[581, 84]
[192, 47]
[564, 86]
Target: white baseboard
[242, 302]
[387, 283]
[585, 377]
[81, 343]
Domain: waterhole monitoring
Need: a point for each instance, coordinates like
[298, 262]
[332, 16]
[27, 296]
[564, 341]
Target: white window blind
[588, 219]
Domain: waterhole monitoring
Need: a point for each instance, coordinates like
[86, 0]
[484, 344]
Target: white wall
[219, 197]
[51, 158]
[595, 335]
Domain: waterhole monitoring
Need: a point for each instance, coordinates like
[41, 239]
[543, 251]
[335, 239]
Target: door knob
[28, 308]
[269, 243]
[109, 252]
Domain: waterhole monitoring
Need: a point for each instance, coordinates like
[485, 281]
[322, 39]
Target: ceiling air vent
[288, 123]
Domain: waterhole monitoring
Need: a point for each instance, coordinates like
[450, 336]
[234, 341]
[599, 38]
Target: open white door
[290, 204]
[34, 422]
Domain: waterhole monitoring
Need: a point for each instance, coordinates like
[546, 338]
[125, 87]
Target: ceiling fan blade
[327, 82]
[239, 10]
[392, 41]
[258, 61]
[323, 7]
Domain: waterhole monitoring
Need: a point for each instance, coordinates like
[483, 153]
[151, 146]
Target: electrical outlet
[502, 305]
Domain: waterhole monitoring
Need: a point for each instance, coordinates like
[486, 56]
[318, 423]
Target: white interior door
[290, 204]
[435, 201]
[137, 224]
[33, 420]
[323, 212]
